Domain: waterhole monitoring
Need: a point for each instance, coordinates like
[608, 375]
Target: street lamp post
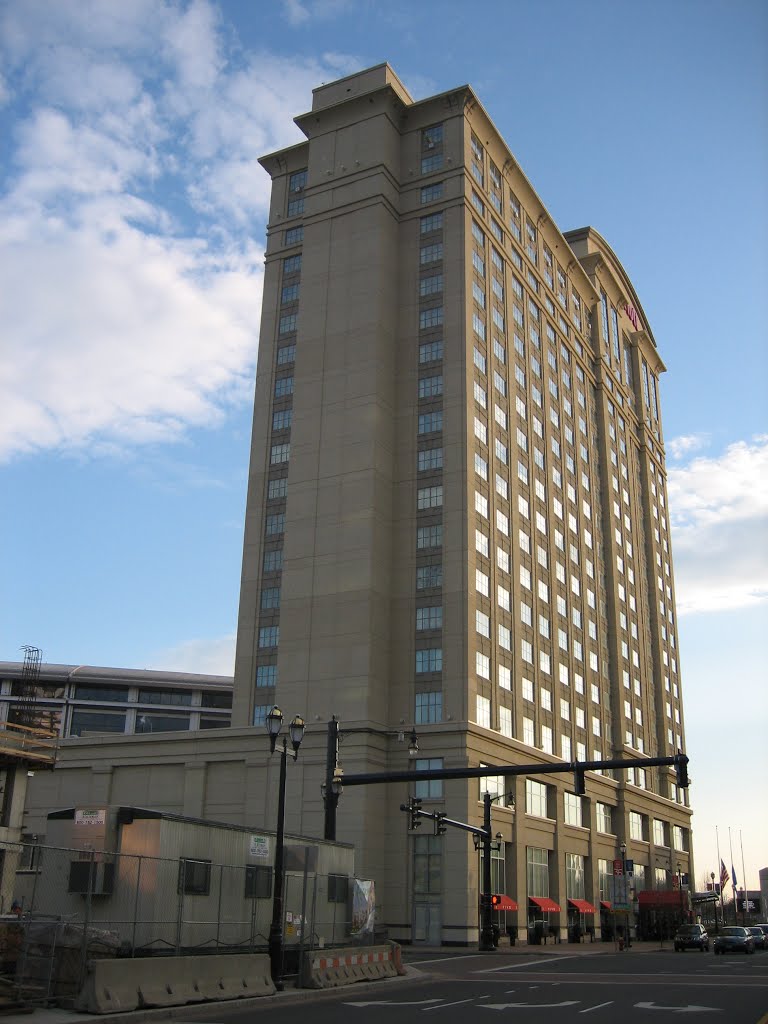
[626, 888]
[679, 872]
[296, 731]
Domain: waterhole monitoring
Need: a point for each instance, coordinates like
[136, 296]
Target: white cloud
[296, 12]
[130, 287]
[719, 510]
[215, 656]
[679, 447]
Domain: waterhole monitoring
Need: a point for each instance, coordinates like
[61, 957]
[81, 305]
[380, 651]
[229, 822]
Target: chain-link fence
[68, 906]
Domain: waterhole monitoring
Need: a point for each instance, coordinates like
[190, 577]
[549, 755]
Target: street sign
[618, 866]
[629, 866]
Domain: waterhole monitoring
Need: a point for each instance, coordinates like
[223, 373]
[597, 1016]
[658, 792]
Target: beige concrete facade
[498, 575]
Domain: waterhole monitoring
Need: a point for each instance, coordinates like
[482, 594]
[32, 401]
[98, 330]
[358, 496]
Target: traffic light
[579, 782]
[681, 770]
[412, 807]
[440, 828]
[495, 901]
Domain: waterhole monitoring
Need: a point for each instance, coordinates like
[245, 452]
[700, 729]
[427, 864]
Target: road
[561, 988]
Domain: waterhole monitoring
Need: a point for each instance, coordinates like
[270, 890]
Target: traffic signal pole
[486, 911]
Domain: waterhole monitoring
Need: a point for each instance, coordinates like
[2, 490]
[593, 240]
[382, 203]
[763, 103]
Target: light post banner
[363, 907]
[619, 894]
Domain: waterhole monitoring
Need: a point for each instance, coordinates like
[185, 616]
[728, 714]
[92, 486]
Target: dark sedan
[691, 936]
[734, 940]
[760, 937]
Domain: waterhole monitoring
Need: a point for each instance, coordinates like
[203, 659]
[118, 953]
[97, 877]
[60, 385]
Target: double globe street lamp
[274, 722]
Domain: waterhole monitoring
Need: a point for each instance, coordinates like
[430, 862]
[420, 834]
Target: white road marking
[599, 1006]
[679, 1009]
[443, 1005]
[529, 963]
[531, 1006]
[394, 1002]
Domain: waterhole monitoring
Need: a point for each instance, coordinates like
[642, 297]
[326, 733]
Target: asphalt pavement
[580, 974]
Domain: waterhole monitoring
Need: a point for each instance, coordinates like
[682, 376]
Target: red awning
[544, 903]
[582, 906]
[662, 898]
[605, 904]
[505, 903]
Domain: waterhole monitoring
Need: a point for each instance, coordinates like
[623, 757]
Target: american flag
[724, 876]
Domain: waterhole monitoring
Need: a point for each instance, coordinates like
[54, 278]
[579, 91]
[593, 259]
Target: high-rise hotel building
[457, 514]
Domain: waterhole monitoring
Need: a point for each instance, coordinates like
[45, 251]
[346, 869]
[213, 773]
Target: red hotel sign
[632, 314]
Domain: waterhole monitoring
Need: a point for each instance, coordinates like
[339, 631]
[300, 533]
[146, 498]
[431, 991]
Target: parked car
[734, 939]
[764, 929]
[760, 936]
[691, 936]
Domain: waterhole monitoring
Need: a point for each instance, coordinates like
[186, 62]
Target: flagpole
[722, 906]
[733, 880]
[744, 878]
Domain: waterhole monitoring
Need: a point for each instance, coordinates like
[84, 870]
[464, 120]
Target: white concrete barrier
[332, 968]
[114, 986]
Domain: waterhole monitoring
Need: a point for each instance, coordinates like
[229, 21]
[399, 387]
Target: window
[266, 675]
[281, 420]
[194, 877]
[429, 497]
[273, 560]
[429, 536]
[279, 453]
[292, 264]
[430, 459]
[574, 876]
[429, 318]
[430, 422]
[431, 285]
[431, 253]
[429, 707]
[258, 882]
[294, 235]
[659, 830]
[431, 387]
[286, 354]
[432, 222]
[636, 830]
[482, 665]
[431, 163]
[290, 293]
[338, 889]
[429, 659]
[270, 598]
[429, 618]
[277, 488]
[283, 387]
[430, 789]
[429, 576]
[536, 798]
[269, 636]
[85, 720]
[430, 193]
[427, 865]
[431, 352]
[260, 713]
[604, 819]
[537, 871]
[483, 712]
[572, 809]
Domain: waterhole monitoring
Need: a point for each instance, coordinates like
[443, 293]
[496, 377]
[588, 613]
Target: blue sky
[132, 214]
